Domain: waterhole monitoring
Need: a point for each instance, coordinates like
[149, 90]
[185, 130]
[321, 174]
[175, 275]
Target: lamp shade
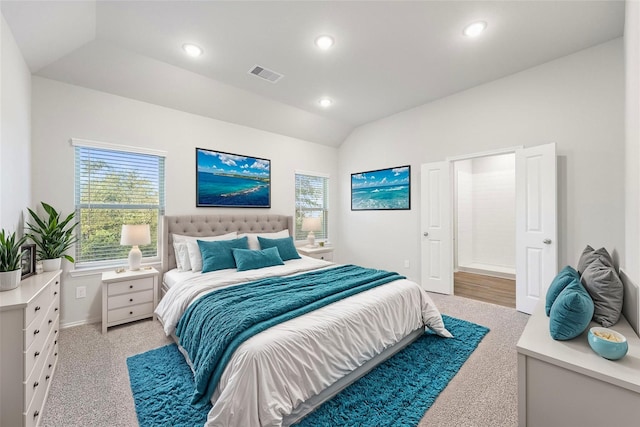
[133, 235]
[311, 224]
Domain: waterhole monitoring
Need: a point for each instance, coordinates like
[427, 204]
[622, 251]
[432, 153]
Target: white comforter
[274, 371]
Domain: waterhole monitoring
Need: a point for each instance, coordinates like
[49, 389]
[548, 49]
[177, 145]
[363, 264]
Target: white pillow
[191, 243]
[253, 237]
[182, 256]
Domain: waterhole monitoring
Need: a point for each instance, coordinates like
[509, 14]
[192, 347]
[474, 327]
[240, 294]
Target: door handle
[425, 234]
[547, 241]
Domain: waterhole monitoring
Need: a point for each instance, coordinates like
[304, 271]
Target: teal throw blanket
[215, 325]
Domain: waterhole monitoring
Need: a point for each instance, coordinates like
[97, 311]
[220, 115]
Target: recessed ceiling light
[474, 30]
[192, 49]
[325, 102]
[324, 42]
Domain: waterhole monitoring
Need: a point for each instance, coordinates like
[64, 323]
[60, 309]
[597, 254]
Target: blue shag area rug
[396, 393]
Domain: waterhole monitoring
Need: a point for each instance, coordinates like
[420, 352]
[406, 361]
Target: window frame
[324, 234]
[109, 263]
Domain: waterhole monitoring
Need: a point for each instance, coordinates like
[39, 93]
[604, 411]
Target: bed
[280, 374]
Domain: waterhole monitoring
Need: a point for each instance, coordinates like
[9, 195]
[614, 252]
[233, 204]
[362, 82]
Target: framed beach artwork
[232, 180]
[382, 189]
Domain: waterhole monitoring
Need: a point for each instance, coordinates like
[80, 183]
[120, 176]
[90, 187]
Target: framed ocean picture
[232, 180]
[382, 189]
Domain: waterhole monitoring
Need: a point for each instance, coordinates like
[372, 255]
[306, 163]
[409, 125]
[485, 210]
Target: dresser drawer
[35, 309]
[130, 312]
[134, 285]
[133, 298]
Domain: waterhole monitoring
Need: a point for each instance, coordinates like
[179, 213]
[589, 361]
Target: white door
[435, 218]
[536, 231]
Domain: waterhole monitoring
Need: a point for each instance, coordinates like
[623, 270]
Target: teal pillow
[217, 255]
[571, 312]
[566, 276]
[285, 246]
[247, 259]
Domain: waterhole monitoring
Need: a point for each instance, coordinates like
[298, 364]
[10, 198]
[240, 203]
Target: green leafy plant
[10, 251]
[52, 235]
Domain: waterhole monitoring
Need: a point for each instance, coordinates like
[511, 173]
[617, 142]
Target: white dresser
[565, 383]
[128, 296]
[29, 318]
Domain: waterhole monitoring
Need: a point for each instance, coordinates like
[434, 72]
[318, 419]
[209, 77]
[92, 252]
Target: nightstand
[128, 296]
[319, 252]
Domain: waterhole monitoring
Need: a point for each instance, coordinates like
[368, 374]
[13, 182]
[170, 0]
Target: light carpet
[396, 393]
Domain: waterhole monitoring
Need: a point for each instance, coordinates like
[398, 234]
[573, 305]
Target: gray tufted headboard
[214, 225]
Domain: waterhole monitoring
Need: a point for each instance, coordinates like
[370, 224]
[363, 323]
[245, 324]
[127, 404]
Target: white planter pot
[10, 279]
[51, 264]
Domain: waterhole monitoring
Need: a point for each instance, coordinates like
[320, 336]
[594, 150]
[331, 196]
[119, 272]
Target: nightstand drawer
[129, 299]
[130, 312]
[133, 285]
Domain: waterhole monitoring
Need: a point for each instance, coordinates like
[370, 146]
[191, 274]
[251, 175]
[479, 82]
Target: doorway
[535, 223]
[484, 228]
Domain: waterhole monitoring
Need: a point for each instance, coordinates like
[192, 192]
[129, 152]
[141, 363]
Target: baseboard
[80, 322]
[487, 273]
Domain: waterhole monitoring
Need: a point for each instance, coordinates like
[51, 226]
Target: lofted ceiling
[388, 56]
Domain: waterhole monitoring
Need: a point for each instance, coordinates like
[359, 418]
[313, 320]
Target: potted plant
[10, 257]
[52, 235]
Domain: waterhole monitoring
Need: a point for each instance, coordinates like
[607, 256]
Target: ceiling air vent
[265, 74]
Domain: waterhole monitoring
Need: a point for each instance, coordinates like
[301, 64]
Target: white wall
[486, 212]
[62, 111]
[576, 101]
[15, 133]
[631, 262]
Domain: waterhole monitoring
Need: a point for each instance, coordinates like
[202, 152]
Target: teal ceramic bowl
[608, 343]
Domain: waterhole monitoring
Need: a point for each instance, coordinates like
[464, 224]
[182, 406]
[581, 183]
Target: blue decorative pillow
[217, 255]
[285, 246]
[566, 276]
[248, 259]
[571, 312]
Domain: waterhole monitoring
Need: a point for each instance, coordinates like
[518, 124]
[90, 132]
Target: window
[115, 186]
[312, 197]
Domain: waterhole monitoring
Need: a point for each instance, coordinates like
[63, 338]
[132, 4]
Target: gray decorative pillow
[605, 288]
[589, 255]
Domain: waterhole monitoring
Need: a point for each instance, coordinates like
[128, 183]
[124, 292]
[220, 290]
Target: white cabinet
[565, 383]
[128, 296]
[320, 252]
[29, 319]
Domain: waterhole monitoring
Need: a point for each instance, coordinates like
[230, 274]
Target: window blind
[312, 201]
[113, 188]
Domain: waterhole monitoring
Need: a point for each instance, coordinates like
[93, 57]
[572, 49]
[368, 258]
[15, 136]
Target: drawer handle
[55, 293]
[36, 354]
[36, 332]
[130, 299]
[50, 321]
[47, 377]
[55, 342]
[37, 308]
[36, 384]
[130, 286]
[50, 365]
[55, 354]
[35, 414]
[131, 312]
[55, 332]
[57, 282]
[56, 309]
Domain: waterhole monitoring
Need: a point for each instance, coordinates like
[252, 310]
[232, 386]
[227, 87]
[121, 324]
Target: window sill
[91, 271]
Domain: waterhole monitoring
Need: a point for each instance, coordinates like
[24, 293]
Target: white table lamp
[134, 235]
[311, 225]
